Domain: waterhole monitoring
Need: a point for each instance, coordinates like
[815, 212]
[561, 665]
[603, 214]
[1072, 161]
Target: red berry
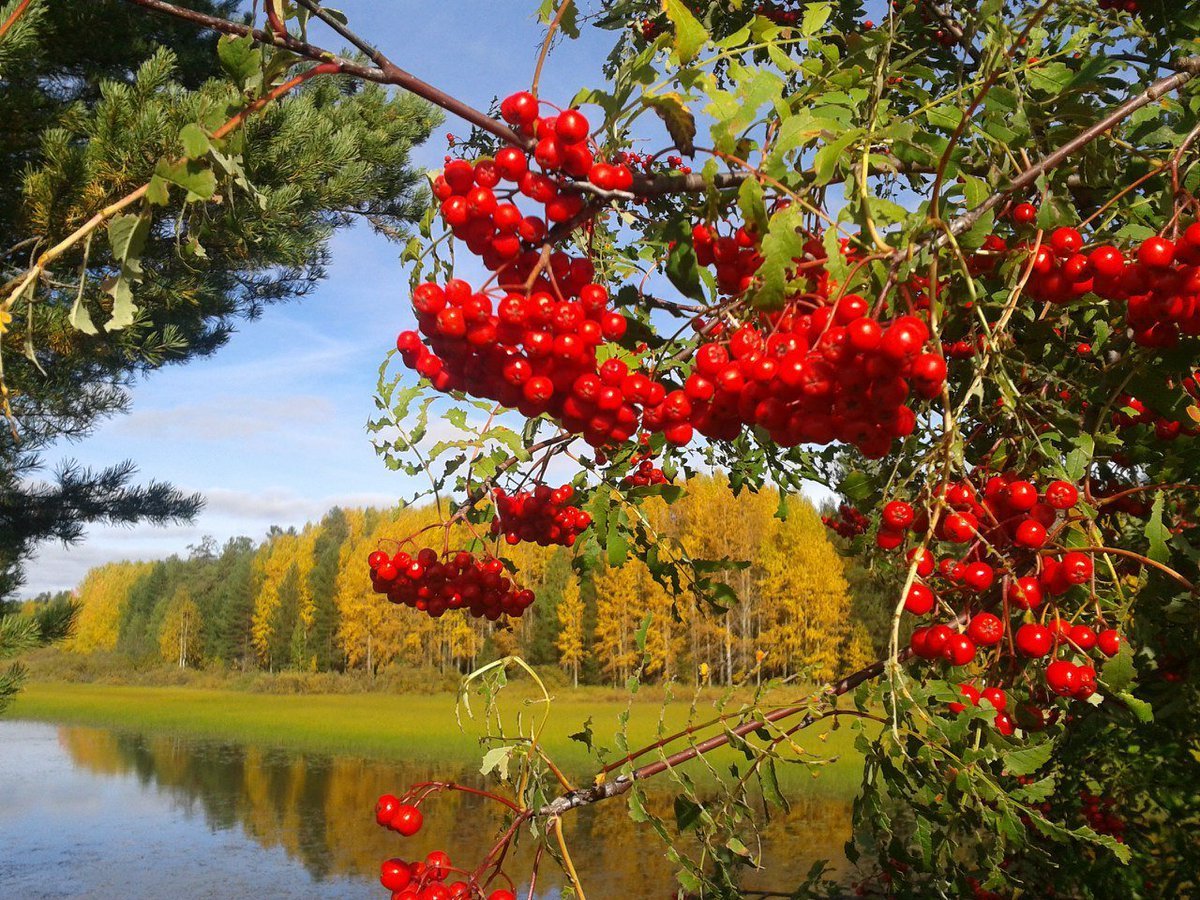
[979, 577]
[919, 600]
[898, 515]
[394, 874]
[1109, 642]
[1061, 677]
[1025, 593]
[407, 820]
[1034, 640]
[1024, 213]
[571, 127]
[386, 806]
[1156, 253]
[1061, 495]
[1031, 534]
[985, 629]
[960, 650]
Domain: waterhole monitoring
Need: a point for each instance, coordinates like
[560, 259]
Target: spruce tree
[96, 98]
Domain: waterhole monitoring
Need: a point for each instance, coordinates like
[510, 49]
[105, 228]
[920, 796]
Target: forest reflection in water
[317, 809]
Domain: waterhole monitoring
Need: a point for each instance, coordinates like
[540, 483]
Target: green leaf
[126, 237]
[643, 631]
[241, 59]
[827, 158]
[195, 141]
[1118, 673]
[496, 760]
[585, 735]
[616, 542]
[678, 119]
[1029, 760]
[197, 179]
[1157, 534]
[1140, 708]
[687, 813]
[856, 486]
[781, 246]
[684, 271]
[753, 204]
[690, 35]
[815, 17]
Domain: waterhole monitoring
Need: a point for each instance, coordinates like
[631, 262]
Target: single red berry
[1031, 534]
[995, 697]
[920, 600]
[1156, 253]
[1034, 640]
[407, 820]
[979, 577]
[1024, 213]
[571, 127]
[1082, 637]
[986, 629]
[960, 650]
[898, 515]
[1062, 677]
[394, 874]
[1061, 494]
[385, 806]
[1109, 642]
[970, 694]
[1076, 567]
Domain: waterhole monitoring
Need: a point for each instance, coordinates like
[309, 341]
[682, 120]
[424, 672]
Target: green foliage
[109, 100]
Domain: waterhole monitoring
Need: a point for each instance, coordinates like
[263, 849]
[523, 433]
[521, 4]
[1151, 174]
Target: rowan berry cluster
[1159, 283]
[848, 523]
[434, 583]
[543, 516]
[1005, 530]
[643, 472]
[423, 879]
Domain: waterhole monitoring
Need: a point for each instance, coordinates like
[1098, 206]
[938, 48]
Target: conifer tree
[102, 93]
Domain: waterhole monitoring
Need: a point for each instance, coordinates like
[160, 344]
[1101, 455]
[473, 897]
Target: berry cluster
[434, 583]
[534, 353]
[423, 879]
[1132, 412]
[1003, 528]
[1159, 283]
[833, 374]
[543, 516]
[643, 472]
[848, 523]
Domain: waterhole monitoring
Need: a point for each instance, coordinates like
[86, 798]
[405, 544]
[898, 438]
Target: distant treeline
[302, 600]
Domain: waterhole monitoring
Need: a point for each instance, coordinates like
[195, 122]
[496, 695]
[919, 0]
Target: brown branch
[1189, 68]
[12, 19]
[621, 785]
[384, 74]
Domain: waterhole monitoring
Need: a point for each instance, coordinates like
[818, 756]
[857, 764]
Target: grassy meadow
[417, 727]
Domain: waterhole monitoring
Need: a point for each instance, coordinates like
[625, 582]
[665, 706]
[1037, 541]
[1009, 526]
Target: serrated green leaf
[1028, 760]
[677, 118]
[1157, 534]
[781, 246]
[690, 35]
[195, 141]
[683, 270]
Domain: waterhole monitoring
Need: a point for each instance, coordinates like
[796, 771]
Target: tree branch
[1189, 68]
[386, 73]
[621, 784]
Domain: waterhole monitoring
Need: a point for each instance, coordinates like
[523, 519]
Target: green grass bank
[417, 727]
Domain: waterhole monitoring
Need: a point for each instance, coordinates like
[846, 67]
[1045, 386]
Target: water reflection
[310, 809]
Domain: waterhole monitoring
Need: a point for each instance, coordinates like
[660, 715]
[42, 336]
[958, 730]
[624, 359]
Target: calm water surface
[90, 812]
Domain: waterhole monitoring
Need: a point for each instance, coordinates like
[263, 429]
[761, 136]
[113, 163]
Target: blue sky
[271, 428]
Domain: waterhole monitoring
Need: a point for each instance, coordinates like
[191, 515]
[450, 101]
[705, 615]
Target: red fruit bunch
[434, 583]
[535, 353]
[1159, 283]
[543, 516]
[643, 472]
[478, 197]
[848, 523]
[1132, 412]
[996, 581]
[425, 879]
[832, 374]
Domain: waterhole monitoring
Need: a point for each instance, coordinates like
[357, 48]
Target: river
[95, 812]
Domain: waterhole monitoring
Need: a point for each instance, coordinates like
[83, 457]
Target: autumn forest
[302, 600]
